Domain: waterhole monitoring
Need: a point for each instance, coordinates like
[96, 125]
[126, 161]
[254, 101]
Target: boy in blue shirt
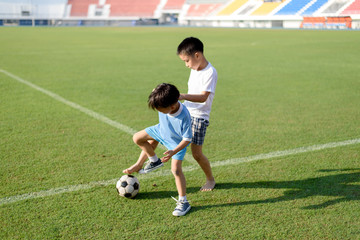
[174, 132]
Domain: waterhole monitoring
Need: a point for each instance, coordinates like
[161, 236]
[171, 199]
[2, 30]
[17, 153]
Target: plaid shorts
[198, 128]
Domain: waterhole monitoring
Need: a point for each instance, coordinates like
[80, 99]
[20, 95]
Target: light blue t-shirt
[172, 129]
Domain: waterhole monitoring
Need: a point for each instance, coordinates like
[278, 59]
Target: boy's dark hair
[164, 95]
[189, 46]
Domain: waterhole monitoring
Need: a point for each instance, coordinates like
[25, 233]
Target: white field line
[234, 161]
[87, 111]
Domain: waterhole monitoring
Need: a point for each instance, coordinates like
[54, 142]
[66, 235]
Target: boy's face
[171, 109]
[192, 62]
[164, 110]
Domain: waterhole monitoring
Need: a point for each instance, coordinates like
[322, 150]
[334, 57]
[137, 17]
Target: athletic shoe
[182, 207]
[151, 166]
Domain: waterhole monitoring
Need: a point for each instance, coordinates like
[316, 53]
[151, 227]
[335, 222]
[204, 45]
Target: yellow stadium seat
[266, 8]
[232, 7]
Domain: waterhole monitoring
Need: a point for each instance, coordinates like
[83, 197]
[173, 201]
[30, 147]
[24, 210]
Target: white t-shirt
[199, 81]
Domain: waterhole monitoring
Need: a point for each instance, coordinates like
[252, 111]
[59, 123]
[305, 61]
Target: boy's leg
[141, 160]
[144, 140]
[176, 169]
[182, 206]
[205, 166]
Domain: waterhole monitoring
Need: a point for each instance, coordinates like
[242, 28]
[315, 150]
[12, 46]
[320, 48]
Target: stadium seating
[137, 8]
[293, 7]
[354, 8]
[314, 7]
[266, 8]
[250, 7]
[174, 4]
[35, 8]
[335, 6]
[201, 10]
[232, 7]
[79, 8]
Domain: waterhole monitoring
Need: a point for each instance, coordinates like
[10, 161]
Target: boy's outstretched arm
[195, 97]
[170, 153]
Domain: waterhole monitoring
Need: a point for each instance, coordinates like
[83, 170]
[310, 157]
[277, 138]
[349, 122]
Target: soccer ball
[128, 186]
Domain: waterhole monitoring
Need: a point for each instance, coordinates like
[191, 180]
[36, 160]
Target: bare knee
[197, 152]
[198, 155]
[136, 138]
[140, 138]
[176, 172]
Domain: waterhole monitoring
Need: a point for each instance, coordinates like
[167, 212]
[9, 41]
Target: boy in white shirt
[174, 132]
[198, 100]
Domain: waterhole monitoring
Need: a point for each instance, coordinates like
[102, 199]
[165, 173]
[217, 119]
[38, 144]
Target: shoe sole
[147, 171]
[179, 214]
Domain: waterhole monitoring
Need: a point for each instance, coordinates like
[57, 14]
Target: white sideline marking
[87, 111]
[234, 161]
[285, 152]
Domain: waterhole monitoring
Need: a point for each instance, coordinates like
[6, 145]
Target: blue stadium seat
[293, 7]
[313, 8]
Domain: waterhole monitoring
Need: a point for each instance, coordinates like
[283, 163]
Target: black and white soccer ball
[128, 186]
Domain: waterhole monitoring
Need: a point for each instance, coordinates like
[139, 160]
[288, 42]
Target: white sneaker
[182, 207]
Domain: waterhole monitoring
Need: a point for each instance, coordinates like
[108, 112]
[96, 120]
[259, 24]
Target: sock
[153, 158]
[182, 199]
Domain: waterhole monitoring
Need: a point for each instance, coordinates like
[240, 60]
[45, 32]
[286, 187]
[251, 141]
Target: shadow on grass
[338, 185]
[164, 194]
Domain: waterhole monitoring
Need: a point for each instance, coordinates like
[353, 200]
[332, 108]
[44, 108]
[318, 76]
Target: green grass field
[278, 90]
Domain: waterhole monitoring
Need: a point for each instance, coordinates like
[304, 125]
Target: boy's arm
[200, 98]
[170, 153]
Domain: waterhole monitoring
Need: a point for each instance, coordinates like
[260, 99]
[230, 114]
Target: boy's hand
[181, 97]
[168, 154]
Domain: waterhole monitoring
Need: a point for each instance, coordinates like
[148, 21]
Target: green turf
[277, 90]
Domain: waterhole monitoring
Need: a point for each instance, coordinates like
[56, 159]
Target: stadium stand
[232, 7]
[174, 4]
[219, 13]
[170, 10]
[335, 6]
[293, 7]
[266, 8]
[139, 8]
[249, 7]
[354, 8]
[314, 7]
[43, 9]
[201, 10]
[80, 8]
